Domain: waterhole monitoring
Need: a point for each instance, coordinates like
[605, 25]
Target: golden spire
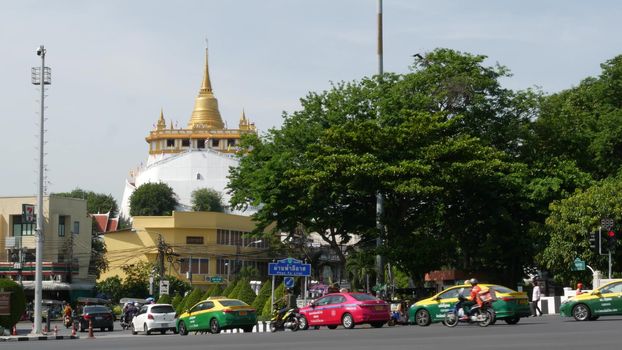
[243, 125]
[161, 121]
[205, 114]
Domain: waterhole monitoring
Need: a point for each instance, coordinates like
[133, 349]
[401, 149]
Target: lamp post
[40, 76]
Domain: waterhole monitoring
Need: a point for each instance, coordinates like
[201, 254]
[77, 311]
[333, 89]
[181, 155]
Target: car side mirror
[437, 298]
[595, 292]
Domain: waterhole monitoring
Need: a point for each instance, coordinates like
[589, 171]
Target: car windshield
[363, 297]
[232, 303]
[162, 309]
[95, 309]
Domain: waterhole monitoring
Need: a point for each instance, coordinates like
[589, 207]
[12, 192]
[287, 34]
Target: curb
[42, 337]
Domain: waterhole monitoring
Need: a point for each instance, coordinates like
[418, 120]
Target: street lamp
[40, 76]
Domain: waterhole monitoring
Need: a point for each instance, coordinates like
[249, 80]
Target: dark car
[100, 316]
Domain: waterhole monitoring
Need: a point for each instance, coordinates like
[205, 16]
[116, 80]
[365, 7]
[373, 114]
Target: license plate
[379, 308]
[98, 318]
[242, 313]
[523, 301]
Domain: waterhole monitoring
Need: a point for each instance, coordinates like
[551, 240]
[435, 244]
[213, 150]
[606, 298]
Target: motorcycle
[126, 320]
[68, 321]
[289, 320]
[482, 315]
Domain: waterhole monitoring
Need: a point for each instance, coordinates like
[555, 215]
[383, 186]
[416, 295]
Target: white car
[155, 317]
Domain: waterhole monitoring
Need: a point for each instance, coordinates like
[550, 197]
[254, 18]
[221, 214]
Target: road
[547, 332]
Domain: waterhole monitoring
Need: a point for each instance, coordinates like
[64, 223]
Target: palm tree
[360, 268]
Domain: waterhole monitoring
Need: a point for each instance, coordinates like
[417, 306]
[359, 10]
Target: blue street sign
[289, 282]
[289, 267]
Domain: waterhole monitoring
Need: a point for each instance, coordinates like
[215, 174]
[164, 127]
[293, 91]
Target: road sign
[289, 267]
[289, 282]
[213, 279]
[164, 287]
[28, 213]
[607, 223]
[578, 265]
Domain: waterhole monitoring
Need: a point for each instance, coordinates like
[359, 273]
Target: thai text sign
[289, 267]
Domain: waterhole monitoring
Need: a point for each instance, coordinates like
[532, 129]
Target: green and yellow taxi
[603, 301]
[215, 314]
[510, 305]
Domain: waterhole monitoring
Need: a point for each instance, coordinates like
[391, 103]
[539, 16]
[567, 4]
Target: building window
[222, 266]
[194, 240]
[200, 144]
[23, 229]
[185, 143]
[61, 225]
[215, 143]
[76, 227]
[170, 143]
[199, 266]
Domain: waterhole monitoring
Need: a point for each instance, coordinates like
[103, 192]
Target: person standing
[535, 298]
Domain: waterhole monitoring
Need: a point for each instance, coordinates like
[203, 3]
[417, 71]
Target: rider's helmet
[473, 281]
[136, 304]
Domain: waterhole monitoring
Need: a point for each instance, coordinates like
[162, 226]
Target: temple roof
[206, 114]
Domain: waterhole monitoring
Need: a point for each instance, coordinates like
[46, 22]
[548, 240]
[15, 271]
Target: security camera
[40, 50]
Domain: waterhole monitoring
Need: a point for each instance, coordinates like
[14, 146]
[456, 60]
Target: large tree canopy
[207, 199]
[153, 199]
[95, 202]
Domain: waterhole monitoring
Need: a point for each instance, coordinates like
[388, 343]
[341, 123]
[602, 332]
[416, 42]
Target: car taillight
[507, 298]
[227, 311]
[87, 317]
[150, 316]
[251, 310]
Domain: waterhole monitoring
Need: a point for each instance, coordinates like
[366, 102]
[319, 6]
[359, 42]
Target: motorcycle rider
[289, 302]
[67, 314]
[478, 296]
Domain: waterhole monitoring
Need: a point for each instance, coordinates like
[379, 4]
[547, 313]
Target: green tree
[112, 287]
[95, 202]
[207, 199]
[216, 291]
[246, 293]
[361, 267]
[178, 286]
[278, 296]
[17, 301]
[262, 297]
[164, 299]
[236, 290]
[229, 288]
[570, 223]
[136, 281]
[176, 301]
[153, 199]
[191, 299]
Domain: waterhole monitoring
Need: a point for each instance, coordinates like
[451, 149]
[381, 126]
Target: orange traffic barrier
[14, 331]
[73, 330]
[91, 336]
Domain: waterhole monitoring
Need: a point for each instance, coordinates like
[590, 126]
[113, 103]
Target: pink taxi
[347, 309]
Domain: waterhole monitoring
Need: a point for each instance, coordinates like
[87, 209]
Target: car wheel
[214, 326]
[347, 321]
[512, 320]
[581, 312]
[273, 326]
[422, 318]
[332, 326]
[303, 324]
[392, 322]
[82, 328]
[377, 324]
[146, 330]
[248, 329]
[162, 331]
[103, 329]
[111, 328]
[182, 328]
[134, 332]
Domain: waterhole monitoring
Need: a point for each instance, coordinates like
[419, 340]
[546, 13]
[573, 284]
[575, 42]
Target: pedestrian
[535, 298]
[579, 289]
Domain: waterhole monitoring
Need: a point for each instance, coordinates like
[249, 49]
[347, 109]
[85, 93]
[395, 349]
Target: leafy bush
[234, 293]
[278, 295]
[191, 299]
[176, 300]
[229, 288]
[263, 296]
[164, 299]
[117, 310]
[18, 302]
[216, 291]
[246, 293]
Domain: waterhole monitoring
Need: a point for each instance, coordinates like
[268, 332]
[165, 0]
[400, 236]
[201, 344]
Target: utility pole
[40, 76]
[161, 251]
[379, 197]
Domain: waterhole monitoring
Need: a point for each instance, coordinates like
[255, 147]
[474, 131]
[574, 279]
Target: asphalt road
[547, 332]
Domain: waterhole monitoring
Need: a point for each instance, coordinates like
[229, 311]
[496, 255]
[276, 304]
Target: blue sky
[116, 63]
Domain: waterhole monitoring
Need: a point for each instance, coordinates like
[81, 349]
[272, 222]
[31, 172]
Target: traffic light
[594, 238]
[611, 240]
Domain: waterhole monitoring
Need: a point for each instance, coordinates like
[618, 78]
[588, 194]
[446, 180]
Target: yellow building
[66, 248]
[211, 245]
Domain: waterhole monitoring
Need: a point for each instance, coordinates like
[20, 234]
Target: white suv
[155, 317]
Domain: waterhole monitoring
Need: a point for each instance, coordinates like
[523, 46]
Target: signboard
[164, 284]
[5, 303]
[578, 265]
[28, 213]
[289, 282]
[215, 279]
[289, 267]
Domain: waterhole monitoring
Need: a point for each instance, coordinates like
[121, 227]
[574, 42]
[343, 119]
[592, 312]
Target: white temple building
[198, 156]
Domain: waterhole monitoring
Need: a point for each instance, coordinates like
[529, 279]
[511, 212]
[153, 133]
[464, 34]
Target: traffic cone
[55, 330]
[73, 330]
[14, 331]
[91, 336]
[45, 329]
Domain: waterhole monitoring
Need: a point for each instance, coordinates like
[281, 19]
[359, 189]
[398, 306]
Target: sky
[116, 63]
